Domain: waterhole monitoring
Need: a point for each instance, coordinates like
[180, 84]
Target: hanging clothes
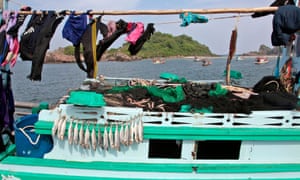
[111, 27]
[88, 41]
[30, 35]
[106, 42]
[188, 18]
[75, 27]
[3, 43]
[286, 22]
[40, 42]
[12, 41]
[134, 32]
[135, 48]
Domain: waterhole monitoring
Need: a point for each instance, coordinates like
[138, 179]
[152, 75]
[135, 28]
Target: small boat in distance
[158, 61]
[206, 62]
[261, 60]
[239, 58]
[197, 59]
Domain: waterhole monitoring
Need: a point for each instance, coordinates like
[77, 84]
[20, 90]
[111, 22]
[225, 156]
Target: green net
[172, 78]
[86, 98]
[219, 91]
[169, 94]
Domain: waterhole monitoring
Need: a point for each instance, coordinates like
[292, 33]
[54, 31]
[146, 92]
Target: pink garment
[111, 27]
[13, 42]
[12, 55]
[134, 35]
[11, 22]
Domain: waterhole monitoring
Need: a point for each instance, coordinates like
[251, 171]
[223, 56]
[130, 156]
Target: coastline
[57, 57]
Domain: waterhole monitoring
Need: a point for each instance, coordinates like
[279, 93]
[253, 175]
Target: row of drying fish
[128, 133]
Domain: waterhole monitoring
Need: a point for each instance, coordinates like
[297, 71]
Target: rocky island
[160, 45]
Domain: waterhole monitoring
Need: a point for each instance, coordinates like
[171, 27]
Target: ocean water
[57, 79]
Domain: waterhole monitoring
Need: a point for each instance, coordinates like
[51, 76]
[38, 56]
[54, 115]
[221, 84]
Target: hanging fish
[136, 132]
[117, 138]
[131, 132]
[100, 140]
[76, 132]
[122, 134]
[93, 137]
[87, 142]
[63, 128]
[70, 132]
[81, 134]
[105, 139]
[141, 130]
[56, 124]
[126, 135]
[111, 137]
[59, 125]
[232, 48]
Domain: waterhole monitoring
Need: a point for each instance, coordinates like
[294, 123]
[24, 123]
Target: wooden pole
[169, 12]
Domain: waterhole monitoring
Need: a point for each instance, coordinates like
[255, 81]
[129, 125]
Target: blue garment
[189, 17]
[75, 27]
[286, 21]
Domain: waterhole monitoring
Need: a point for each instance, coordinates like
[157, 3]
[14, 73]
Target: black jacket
[286, 21]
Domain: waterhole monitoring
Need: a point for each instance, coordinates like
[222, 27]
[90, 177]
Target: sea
[58, 79]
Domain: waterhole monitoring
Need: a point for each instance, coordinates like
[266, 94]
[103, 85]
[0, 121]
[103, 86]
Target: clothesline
[214, 18]
[169, 12]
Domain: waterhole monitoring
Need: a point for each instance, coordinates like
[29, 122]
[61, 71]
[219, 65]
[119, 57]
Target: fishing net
[169, 94]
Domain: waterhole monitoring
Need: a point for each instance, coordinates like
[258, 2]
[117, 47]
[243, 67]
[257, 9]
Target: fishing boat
[239, 58]
[90, 135]
[197, 59]
[158, 61]
[261, 60]
[206, 62]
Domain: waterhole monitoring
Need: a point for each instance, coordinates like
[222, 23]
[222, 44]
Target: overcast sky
[215, 34]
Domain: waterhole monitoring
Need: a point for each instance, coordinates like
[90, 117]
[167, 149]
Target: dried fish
[117, 138]
[131, 133]
[122, 135]
[100, 140]
[126, 135]
[105, 139]
[141, 130]
[136, 132]
[87, 142]
[70, 132]
[63, 128]
[232, 48]
[76, 131]
[94, 139]
[59, 124]
[111, 137]
[81, 134]
[55, 124]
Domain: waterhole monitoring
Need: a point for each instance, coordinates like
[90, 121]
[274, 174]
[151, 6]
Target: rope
[176, 22]
[28, 137]
[228, 17]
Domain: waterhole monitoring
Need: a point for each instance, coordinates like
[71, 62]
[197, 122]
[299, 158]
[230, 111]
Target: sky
[252, 32]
